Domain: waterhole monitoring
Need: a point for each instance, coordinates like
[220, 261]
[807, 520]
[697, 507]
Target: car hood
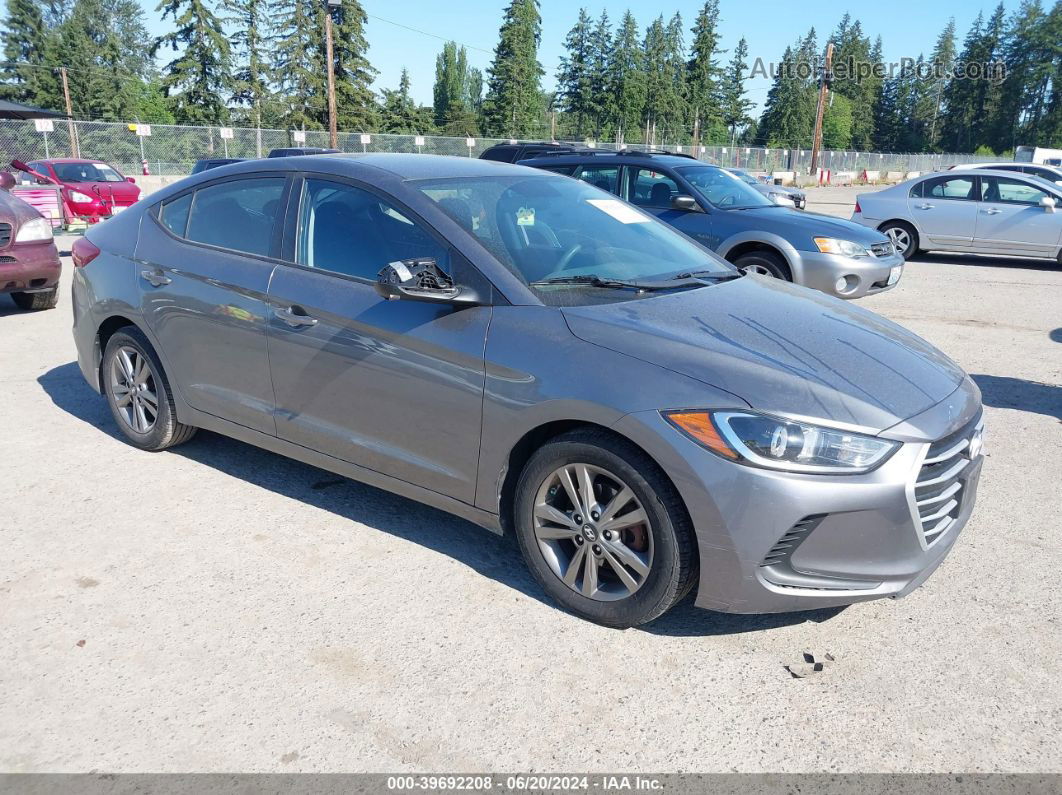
[126, 191]
[799, 227]
[766, 190]
[781, 348]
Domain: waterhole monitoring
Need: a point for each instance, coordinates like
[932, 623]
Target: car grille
[938, 489]
[787, 544]
[883, 249]
[5, 234]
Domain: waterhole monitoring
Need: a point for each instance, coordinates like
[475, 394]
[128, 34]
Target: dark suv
[733, 219]
[515, 152]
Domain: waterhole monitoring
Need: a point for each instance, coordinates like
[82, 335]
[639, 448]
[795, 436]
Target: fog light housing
[847, 283]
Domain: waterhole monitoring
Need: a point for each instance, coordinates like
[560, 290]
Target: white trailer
[1038, 154]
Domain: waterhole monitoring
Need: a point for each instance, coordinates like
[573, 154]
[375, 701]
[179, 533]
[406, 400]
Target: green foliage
[514, 106]
[837, 124]
[457, 92]
[703, 76]
[788, 118]
[734, 107]
[27, 45]
[199, 78]
[574, 88]
[627, 77]
[400, 114]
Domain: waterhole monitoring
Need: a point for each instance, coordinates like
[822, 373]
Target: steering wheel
[727, 200]
[566, 260]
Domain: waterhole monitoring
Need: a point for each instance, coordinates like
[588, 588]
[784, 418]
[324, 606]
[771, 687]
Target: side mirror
[421, 280]
[1048, 204]
[686, 203]
[7, 180]
[130, 179]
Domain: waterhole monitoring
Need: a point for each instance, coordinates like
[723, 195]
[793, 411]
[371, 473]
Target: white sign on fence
[470, 142]
[366, 138]
[418, 140]
[226, 133]
[143, 130]
[298, 136]
[44, 125]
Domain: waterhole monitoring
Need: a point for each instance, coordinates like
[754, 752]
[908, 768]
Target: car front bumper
[863, 275]
[772, 542]
[29, 267]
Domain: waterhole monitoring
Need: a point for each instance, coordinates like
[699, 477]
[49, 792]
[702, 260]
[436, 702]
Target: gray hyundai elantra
[535, 355]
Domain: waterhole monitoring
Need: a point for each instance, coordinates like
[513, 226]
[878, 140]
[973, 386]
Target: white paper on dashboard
[620, 211]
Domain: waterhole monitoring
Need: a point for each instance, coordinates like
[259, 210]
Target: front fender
[786, 249]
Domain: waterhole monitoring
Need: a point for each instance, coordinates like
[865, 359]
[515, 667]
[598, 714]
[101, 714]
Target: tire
[46, 299]
[765, 263]
[152, 427]
[663, 546]
[898, 231]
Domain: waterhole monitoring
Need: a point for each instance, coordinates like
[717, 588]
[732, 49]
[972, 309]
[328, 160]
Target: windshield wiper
[592, 280]
[715, 276]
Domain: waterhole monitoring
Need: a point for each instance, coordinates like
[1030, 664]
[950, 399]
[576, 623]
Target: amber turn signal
[699, 426]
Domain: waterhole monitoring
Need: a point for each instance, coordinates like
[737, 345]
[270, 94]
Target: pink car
[92, 189]
[29, 261]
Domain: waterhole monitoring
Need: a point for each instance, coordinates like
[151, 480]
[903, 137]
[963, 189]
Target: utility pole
[333, 134]
[75, 147]
[824, 88]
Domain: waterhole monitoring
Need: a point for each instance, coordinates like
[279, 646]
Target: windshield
[86, 172]
[723, 189]
[746, 178]
[551, 227]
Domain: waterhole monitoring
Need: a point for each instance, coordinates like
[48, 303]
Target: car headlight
[777, 443]
[832, 245]
[34, 230]
[780, 198]
[79, 197]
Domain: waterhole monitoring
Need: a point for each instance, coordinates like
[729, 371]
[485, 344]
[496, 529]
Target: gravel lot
[219, 608]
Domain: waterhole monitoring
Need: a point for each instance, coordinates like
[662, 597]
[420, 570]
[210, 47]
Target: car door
[1010, 219]
[394, 386]
[653, 188]
[204, 261]
[945, 210]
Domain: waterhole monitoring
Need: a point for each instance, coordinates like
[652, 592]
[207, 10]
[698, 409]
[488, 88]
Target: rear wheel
[45, 299]
[764, 263]
[603, 531]
[138, 393]
[903, 236]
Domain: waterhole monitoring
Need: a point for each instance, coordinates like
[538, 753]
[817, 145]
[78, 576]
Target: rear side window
[949, 188]
[505, 154]
[604, 177]
[174, 214]
[237, 215]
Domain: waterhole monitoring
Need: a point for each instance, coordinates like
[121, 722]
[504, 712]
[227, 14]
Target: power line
[426, 33]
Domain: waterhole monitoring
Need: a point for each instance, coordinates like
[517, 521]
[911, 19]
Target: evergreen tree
[602, 98]
[703, 75]
[400, 114]
[627, 78]
[454, 106]
[356, 107]
[735, 107]
[934, 79]
[514, 103]
[852, 51]
[574, 90]
[199, 77]
[665, 70]
[251, 79]
[837, 123]
[788, 118]
[25, 74]
[298, 65]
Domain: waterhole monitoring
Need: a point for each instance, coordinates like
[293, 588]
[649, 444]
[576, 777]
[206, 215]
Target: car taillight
[858, 209]
[83, 252]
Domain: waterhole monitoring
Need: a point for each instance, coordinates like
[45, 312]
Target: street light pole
[333, 133]
[824, 88]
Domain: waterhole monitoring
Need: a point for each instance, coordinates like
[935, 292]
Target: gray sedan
[533, 354]
[977, 210]
[779, 194]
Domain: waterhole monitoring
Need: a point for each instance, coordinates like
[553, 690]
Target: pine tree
[852, 51]
[665, 70]
[602, 97]
[400, 114]
[298, 65]
[514, 102]
[931, 90]
[25, 73]
[574, 90]
[453, 106]
[703, 75]
[627, 78]
[199, 78]
[788, 118]
[248, 22]
[735, 107]
[356, 107]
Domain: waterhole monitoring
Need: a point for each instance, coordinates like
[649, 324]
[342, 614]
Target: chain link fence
[172, 150]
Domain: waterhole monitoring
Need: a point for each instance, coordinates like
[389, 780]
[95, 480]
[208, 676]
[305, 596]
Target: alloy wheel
[900, 238]
[132, 386]
[593, 532]
[757, 268]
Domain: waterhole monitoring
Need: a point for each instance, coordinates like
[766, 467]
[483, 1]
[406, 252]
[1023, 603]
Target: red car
[93, 189]
[29, 261]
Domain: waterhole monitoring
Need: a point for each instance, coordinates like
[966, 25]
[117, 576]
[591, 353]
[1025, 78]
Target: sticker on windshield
[620, 211]
[525, 216]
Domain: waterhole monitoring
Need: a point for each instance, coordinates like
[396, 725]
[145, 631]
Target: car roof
[624, 156]
[68, 160]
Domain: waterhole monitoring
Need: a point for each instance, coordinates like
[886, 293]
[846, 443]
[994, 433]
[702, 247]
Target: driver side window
[649, 188]
[353, 232]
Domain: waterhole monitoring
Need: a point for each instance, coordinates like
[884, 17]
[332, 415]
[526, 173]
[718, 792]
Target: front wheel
[138, 393]
[903, 237]
[603, 530]
[764, 263]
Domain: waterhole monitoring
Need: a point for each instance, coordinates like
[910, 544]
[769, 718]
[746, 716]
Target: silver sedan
[977, 210]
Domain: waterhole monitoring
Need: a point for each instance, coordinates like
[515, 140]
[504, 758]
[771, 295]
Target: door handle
[155, 278]
[926, 206]
[289, 316]
[992, 211]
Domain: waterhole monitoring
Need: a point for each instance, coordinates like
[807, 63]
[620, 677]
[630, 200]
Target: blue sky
[907, 27]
